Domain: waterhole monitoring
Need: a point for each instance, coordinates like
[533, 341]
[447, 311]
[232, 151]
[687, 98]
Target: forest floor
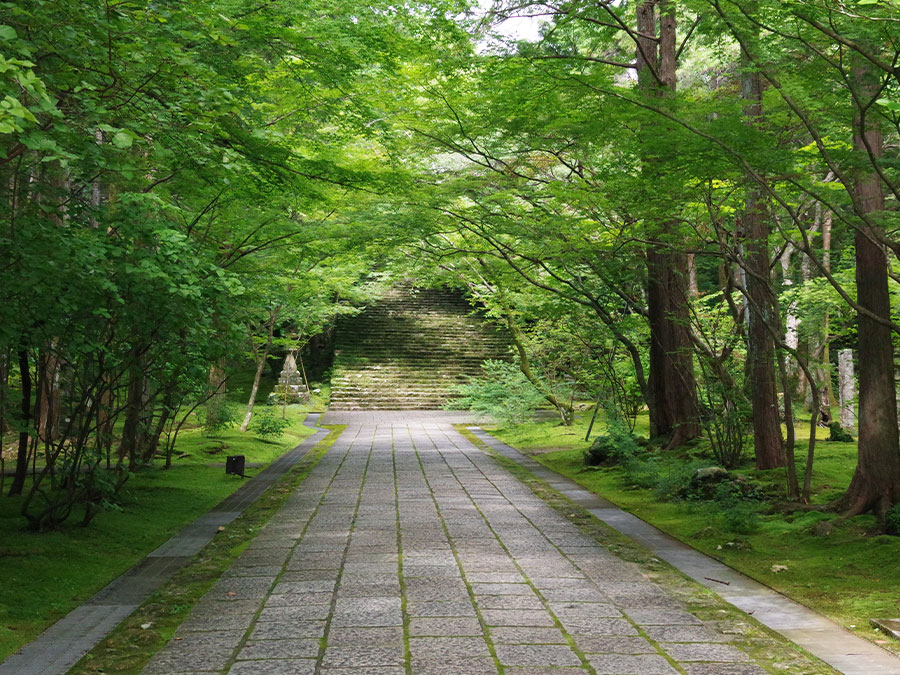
[46, 575]
[841, 568]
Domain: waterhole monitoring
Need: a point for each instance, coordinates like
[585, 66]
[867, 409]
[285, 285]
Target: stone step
[409, 349]
[408, 342]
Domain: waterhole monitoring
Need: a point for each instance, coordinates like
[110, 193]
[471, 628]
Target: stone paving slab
[407, 550]
[62, 645]
[826, 640]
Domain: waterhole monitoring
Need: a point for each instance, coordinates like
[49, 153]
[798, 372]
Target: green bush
[740, 514]
[675, 483]
[838, 435]
[622, 448]
[640, 468]
[892, 521]
[268, 426]
[219, 415]
[502, 392]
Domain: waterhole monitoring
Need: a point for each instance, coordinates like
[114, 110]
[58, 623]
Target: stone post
[847, 384]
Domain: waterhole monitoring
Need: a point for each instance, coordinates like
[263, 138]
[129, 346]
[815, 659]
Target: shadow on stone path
[407, 550]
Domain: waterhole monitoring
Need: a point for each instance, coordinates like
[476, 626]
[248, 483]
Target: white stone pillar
[847, 384]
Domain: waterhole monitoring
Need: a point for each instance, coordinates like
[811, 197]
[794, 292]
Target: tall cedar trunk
[875, 485]
[25, 417]
[672, 389]
[767, 442]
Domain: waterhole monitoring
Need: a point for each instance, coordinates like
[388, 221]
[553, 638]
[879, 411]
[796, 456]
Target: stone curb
[819, 636]
[62, 645]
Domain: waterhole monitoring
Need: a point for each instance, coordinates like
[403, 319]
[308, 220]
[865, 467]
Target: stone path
[61, 646]
[407, 550]
[841, 649]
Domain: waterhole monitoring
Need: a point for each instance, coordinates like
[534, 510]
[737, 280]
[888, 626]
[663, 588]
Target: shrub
[640, 468]
[740, 514]
[268, 426]
[892, 521]
[502, 392]
[838, 435]
[677, 482]
[218, 416]
[726, 423]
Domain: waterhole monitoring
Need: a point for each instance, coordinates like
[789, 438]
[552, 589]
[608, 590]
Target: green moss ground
[850, 575]
[48, 574]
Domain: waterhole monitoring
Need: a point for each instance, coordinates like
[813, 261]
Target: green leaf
[893, 106]
[122, 140]
[8, 33]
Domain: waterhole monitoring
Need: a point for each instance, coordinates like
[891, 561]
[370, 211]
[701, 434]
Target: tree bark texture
[215, 406]
[875, 485]
[767, 442]
[48, 381]
[672, 389]
[128, 449]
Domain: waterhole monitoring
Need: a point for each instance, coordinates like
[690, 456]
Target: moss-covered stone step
[408, 350]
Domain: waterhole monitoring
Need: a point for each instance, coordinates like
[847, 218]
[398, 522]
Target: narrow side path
[409, 551]
[821, 637]
[62, 645]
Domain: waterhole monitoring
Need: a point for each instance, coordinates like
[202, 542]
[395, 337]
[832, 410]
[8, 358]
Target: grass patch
[130, 646]
[47, 575]
[839, 568]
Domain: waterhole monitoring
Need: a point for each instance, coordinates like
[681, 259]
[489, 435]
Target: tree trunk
[672, 389]
[128, 448]
[875, 485]
[104, 419]
[260, 365]
[828, 393]
[18, 483]
[564, 409]
[793, 487]
[791, 320]
[48, 415]
[693, 288]
[151, 443]
[847, 390]
[4, 395]
[767, 443]
[817, 333]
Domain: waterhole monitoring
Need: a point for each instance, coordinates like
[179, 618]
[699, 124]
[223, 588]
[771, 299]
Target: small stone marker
[234, 465]
[889, 626]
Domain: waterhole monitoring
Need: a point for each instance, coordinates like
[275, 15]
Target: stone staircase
[407, 350]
